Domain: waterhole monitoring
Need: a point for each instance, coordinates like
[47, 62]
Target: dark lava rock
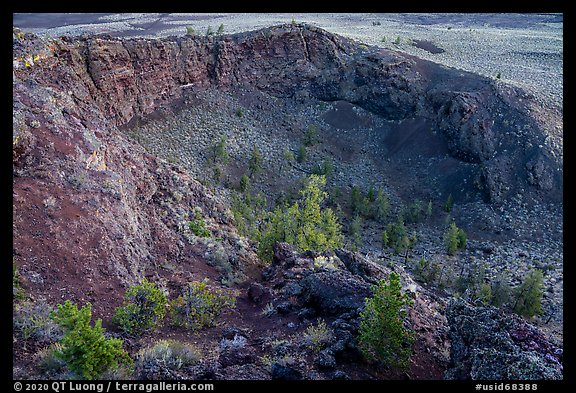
[285, 373]
[490, 345]
[258, 293]
[326, 359]
[236, 351]
[341, 375]
[334, 292]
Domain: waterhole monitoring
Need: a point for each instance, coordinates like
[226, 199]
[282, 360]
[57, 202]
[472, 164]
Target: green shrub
[199, 306]
[190, 30]
[288, 155]
[85, 349]
[382, 335]
[198, 226]
[220, 151]
[249, 214]
[414, 212]
[484, 294]
[356, 200]
[144, 306]
[325, 168]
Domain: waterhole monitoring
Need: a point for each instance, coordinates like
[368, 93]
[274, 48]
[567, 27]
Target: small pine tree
[209, 31]
[304, 223]
[454, 238]
[429, 209]
[220, 29]
[84, 348]
[301, 157]
[288, 155]
[396, 237]
[326, 168]
[244, 183]
[381, 206]
[255, 162]
[484, 294]
[311, 136]
[413, 212]
[219, 151]
[382, 335]
[371, 194]
[529, 295]
[356, 200]
[189, 30]
[501, 291]
[449, 203]
[355, 232]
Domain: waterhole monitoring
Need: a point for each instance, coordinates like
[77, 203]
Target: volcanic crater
[113, 145]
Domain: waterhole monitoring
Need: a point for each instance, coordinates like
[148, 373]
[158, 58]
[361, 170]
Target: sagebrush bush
[48, 361]
[143, 308]
[32, 321]
[170, 354]
[85, 349]
[199, 306]
[382, 334]
[317, 337]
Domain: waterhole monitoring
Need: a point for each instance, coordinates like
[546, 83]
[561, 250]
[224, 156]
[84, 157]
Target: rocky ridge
[75, 174]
